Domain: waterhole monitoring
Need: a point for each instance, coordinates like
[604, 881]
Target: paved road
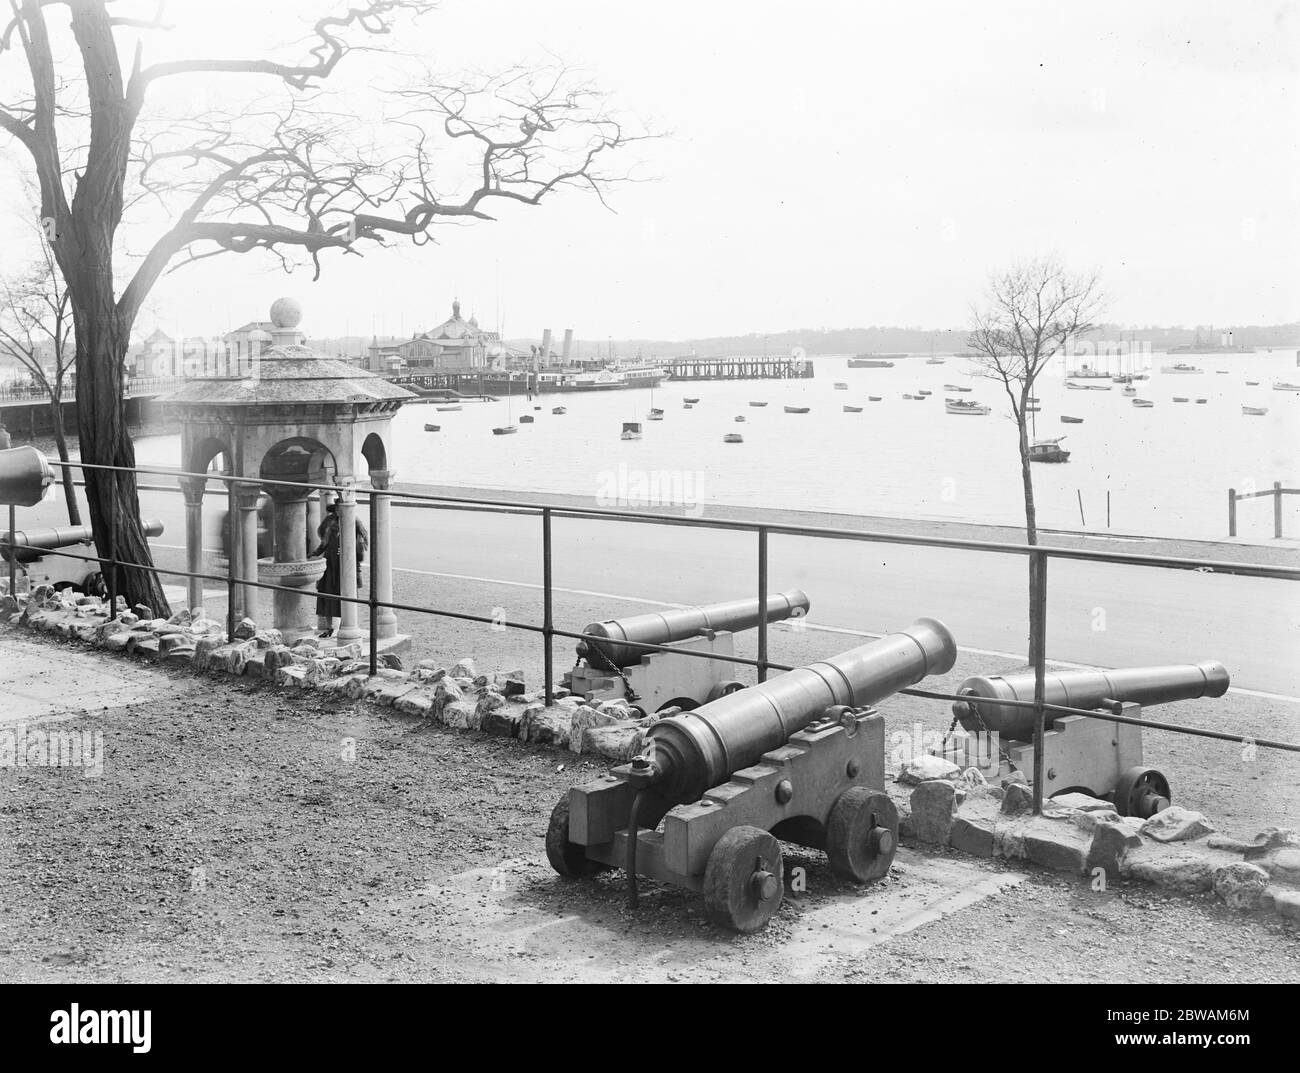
[1099, 614]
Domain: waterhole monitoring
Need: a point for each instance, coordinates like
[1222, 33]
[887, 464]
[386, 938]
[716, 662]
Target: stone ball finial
[286, 312]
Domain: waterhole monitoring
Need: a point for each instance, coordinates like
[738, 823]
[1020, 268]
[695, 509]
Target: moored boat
[840, 385]
[797, 409]
[966, 406]
[874, 398]
[527, 419]
[1254, 411]
[740, 417]
[1282, 385]
[691, 401]
[1181, 367]
[504, 430]
[1048, 451]
[1201, 402]
[1180, 398]
[955, 387]
[852, 409]
[1143, 404]
[432, 428]
[733, 437]
[631, 430]
[446, 409]
[924, 392]
[1130, 390]
[1066, 420]
[558, 410]
[756, 403]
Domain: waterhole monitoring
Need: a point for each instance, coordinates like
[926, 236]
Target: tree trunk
[112, 498]
[1031, 535]
[61, 444]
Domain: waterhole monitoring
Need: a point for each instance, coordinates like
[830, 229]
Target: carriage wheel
[744, 879]
[862, 834]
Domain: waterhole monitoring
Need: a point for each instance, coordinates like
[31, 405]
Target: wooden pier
[740, 368]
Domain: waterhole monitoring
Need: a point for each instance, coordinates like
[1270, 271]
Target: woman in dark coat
[327, 610]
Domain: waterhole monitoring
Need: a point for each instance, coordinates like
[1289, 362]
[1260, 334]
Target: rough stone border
[457, 696]
[1083, 836]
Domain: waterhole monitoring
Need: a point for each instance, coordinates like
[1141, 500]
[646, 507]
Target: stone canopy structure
[293, 416]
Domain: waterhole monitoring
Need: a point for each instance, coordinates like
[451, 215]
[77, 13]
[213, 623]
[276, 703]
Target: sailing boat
[654, 414]
[506, 429]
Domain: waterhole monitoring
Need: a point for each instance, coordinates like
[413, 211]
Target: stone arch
[205, 451]
[375, 453]
[301, 459]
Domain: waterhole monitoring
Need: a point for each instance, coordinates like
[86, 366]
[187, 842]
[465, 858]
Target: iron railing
[1038, 555]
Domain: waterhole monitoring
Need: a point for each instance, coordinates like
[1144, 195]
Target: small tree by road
[36, 332]
[1030, 312]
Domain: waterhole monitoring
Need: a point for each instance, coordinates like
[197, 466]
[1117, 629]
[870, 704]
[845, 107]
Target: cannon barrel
[662, 627]
[693, 751]
[1082, 689]
[38, 541]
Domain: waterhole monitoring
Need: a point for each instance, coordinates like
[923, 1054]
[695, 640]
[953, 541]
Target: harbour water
[1167, 469]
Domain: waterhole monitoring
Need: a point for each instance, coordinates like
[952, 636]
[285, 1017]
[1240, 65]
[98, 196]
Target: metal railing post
[1277, 510]
[762, 603]
[548, 624]
[12, 554]
[232, 522]
[1038, 640]
[1232, 512]
[374, 578]
[112, 546]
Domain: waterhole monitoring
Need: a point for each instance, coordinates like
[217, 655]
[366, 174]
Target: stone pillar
[313, 522]
[347, 511]
[192, 489]
[248, 498]
[381, 548]
[292, 615]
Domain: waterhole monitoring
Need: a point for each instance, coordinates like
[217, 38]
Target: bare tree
[290, 177]
[1031, 311]
[36, 322]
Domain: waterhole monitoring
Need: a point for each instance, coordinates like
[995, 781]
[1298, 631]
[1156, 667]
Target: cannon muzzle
[24, 476]
[693, 751]
[31, 544]
[663, 627]
[1081, 689]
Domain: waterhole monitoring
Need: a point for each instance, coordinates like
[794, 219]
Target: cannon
[611, 668]
[28, 547]
[800, 758]
[1092, 756]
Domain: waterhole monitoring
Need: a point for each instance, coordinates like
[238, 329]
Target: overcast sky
[834, 164]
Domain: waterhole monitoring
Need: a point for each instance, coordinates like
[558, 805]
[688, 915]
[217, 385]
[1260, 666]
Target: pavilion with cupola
[291, 415]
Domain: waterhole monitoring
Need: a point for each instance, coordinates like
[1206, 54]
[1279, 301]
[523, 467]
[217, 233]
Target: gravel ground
[230, 839]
